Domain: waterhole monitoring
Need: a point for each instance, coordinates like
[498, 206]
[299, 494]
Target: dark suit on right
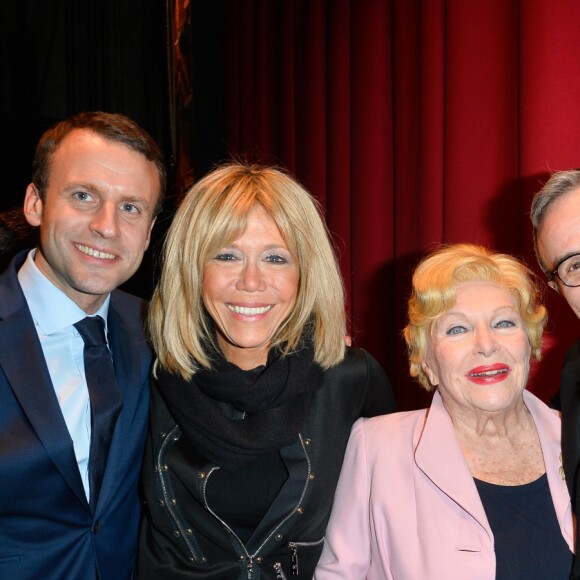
[570, 400]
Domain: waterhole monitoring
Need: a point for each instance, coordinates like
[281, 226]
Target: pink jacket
[406, 505]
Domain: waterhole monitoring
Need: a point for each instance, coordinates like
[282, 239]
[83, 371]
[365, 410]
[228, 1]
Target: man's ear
[33, 205]
[429, 372]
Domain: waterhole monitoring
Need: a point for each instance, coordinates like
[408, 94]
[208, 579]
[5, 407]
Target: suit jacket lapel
[548, 426]
[439, 455]
[22, 361]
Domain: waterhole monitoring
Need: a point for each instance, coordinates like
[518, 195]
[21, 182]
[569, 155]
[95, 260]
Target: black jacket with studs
[182, 537]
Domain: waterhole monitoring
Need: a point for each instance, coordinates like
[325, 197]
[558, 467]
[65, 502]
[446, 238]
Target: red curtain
[414, 123]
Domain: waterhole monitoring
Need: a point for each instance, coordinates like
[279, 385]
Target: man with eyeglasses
[555, 216]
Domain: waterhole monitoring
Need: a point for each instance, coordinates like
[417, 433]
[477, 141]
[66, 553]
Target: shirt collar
[51, 309]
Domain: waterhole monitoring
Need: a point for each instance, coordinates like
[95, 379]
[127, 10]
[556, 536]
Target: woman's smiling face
[249, 289]
[479, 353]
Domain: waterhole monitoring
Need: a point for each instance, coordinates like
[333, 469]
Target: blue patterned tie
[105, 398]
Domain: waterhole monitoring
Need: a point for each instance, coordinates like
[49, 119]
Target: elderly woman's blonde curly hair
[433, 294]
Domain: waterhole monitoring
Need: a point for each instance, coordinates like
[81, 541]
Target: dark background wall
[58, 57]
[62, 56]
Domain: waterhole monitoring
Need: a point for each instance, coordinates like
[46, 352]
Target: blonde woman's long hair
[214, 213]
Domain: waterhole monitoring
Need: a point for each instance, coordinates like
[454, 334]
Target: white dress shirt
[54, 315]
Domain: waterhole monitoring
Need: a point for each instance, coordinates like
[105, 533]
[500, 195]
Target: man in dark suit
[69, 506]
[555, 218]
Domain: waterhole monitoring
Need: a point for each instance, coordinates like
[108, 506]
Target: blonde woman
[471, 488]
[255, 392]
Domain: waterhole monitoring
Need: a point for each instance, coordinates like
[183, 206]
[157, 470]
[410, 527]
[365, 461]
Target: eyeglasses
[568, 270]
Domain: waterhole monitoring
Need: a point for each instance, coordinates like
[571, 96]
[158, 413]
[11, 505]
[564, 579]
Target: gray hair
[559, 184]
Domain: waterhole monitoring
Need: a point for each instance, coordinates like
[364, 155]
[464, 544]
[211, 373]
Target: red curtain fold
[338, 175]
[414, 123]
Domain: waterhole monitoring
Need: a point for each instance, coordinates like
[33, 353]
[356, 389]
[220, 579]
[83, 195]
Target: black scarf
[274, 398]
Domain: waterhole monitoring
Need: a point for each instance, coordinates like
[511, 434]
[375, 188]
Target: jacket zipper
[294, 558]
[250, 559]
[168, 501]
[279, 572]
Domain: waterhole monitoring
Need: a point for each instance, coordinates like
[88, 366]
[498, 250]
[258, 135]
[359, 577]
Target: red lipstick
[488, 374]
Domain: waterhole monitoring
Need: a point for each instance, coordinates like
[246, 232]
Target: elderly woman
[255, 391]
[471, 488]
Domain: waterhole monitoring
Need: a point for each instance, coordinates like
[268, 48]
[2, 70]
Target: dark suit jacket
[570, 400]
[47, 529]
